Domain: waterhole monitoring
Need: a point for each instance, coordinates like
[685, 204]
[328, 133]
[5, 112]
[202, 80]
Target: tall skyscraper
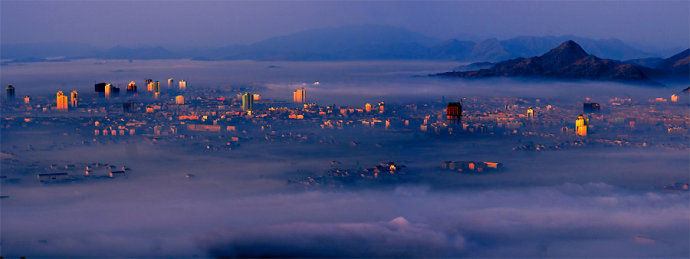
[247, 101]
[674, 98]
[9, 90]
[100, 87]
[367, 107]
[381, 108]
[170, 82]
[108, 89]
[62, 102]
[299, 96]
[454, 111]
[581, 125]
[155, 87]
[131, 88]
[73, 98]
[179, 99]
[27, 99]
[530, 113]
[183, 85]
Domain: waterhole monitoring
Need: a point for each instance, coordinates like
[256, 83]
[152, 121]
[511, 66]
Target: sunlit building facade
[62, 102]
[182, 85]
[581, 126]
[179, 99]
[73, 98]
[131, 87]
[299, 96]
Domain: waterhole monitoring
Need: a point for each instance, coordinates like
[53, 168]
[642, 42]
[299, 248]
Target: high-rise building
[299, 96]
[73, 97]
[183, 85]
[27, 99]
[62, 101]
[100, 87]
[590, 107]
[131, 88]
[454, 111]
[530, 113]
[9, 90]
[155, 87]
[674, 98]
[581, 125]
[108, 88]
[179, 99]
[381, 109]
[367, 107]
[257, 97]
[170, 82]
[247, 101]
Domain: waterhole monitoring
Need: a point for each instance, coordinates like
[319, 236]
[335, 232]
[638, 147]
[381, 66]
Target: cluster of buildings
[383, 173]
[237, 115]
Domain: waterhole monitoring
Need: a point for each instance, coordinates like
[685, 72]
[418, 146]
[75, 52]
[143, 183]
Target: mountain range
[570, 61]
[358, 42]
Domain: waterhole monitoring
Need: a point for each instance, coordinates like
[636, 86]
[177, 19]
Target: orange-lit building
[179, 99]
[367, 107]
[299, 96]
[581, 126]
[454, 111]
[73, 97]
[62, 102]
[183, 85]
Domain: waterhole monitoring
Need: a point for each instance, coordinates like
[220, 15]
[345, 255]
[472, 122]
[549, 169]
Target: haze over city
[345, 129]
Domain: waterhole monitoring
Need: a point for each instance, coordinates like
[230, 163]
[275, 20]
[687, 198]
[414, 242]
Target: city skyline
[344, 129]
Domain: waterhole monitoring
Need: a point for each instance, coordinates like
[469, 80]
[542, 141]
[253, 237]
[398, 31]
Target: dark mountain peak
[567, 61]
[569, 49]
[565, 54]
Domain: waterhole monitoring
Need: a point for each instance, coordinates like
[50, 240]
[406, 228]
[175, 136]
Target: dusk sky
[218, 23]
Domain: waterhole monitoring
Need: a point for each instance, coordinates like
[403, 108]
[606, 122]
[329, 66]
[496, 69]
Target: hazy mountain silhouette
[357, 42]
[567, 61]
[677, 65]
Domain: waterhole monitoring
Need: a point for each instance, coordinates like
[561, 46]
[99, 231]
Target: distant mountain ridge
[358, 42]
[567, 61]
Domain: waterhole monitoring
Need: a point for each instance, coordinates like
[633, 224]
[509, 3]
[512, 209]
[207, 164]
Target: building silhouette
[183, 85]
[454, 111]
[590, 107]
[9, 92]
[100, 87]
[367, 107]
[179, 99]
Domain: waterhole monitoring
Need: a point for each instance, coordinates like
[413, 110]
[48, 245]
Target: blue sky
[218, 23]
